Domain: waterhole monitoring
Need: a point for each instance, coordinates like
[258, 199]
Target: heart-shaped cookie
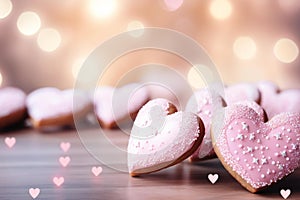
[52, 107]
[275, 101]
[116, 105]
[242, 92]
[160, 139]
[201, 103]
[12, 106]
[257, 154]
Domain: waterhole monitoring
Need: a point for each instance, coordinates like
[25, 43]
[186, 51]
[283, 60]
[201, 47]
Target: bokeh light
[5, 8]
[286, 50]
[195, 79]
[29, 23]
[133, 25]
[244, 47]
[102, 8]
[49, 39]
[1, 79]
[220, 9]
[173, 5]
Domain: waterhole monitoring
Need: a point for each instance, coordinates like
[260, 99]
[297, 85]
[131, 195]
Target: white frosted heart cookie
[116, 105]
[12, 106]
[49, 107]
[160, 138]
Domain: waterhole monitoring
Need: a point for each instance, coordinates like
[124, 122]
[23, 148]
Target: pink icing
[113, 104]
[261, 153]
[11, 100]
[275, 102]
[47, 103]
[242, 92]
[201, 103]
[163, 144]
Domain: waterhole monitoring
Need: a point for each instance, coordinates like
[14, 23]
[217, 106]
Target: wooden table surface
[33, 162]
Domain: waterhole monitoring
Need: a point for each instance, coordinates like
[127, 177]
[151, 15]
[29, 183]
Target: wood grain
[33, 162]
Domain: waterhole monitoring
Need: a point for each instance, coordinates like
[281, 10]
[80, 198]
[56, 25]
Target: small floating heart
[213, 178]
[58, 181]
[34, 192]
[65, 146]
[10, 141]
[64, 161]
[97, 170]
[285, 193]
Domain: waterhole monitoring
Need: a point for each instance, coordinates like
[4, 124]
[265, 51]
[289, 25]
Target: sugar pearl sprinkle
[261, 153]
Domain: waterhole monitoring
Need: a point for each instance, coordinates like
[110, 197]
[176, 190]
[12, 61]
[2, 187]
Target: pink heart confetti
[34, 192]
[65, 146]
[97, 170]
[58, 181]
[64, 161]
[10, 141]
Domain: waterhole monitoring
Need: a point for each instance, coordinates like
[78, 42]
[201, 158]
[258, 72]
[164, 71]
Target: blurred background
[44, 42]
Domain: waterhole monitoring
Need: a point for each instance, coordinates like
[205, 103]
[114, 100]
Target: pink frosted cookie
[158, 91]
[114, 105]
[257, 154]
[12, 106]
[52, 107]
[242, 92]
[160, 139]
[275, 101]
[201, 103]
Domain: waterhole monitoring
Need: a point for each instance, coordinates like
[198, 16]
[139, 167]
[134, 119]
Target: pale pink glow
[10, 141]
[97, 170]
[58, 181]
[173, 5]
[64, 161]
[65, 146]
